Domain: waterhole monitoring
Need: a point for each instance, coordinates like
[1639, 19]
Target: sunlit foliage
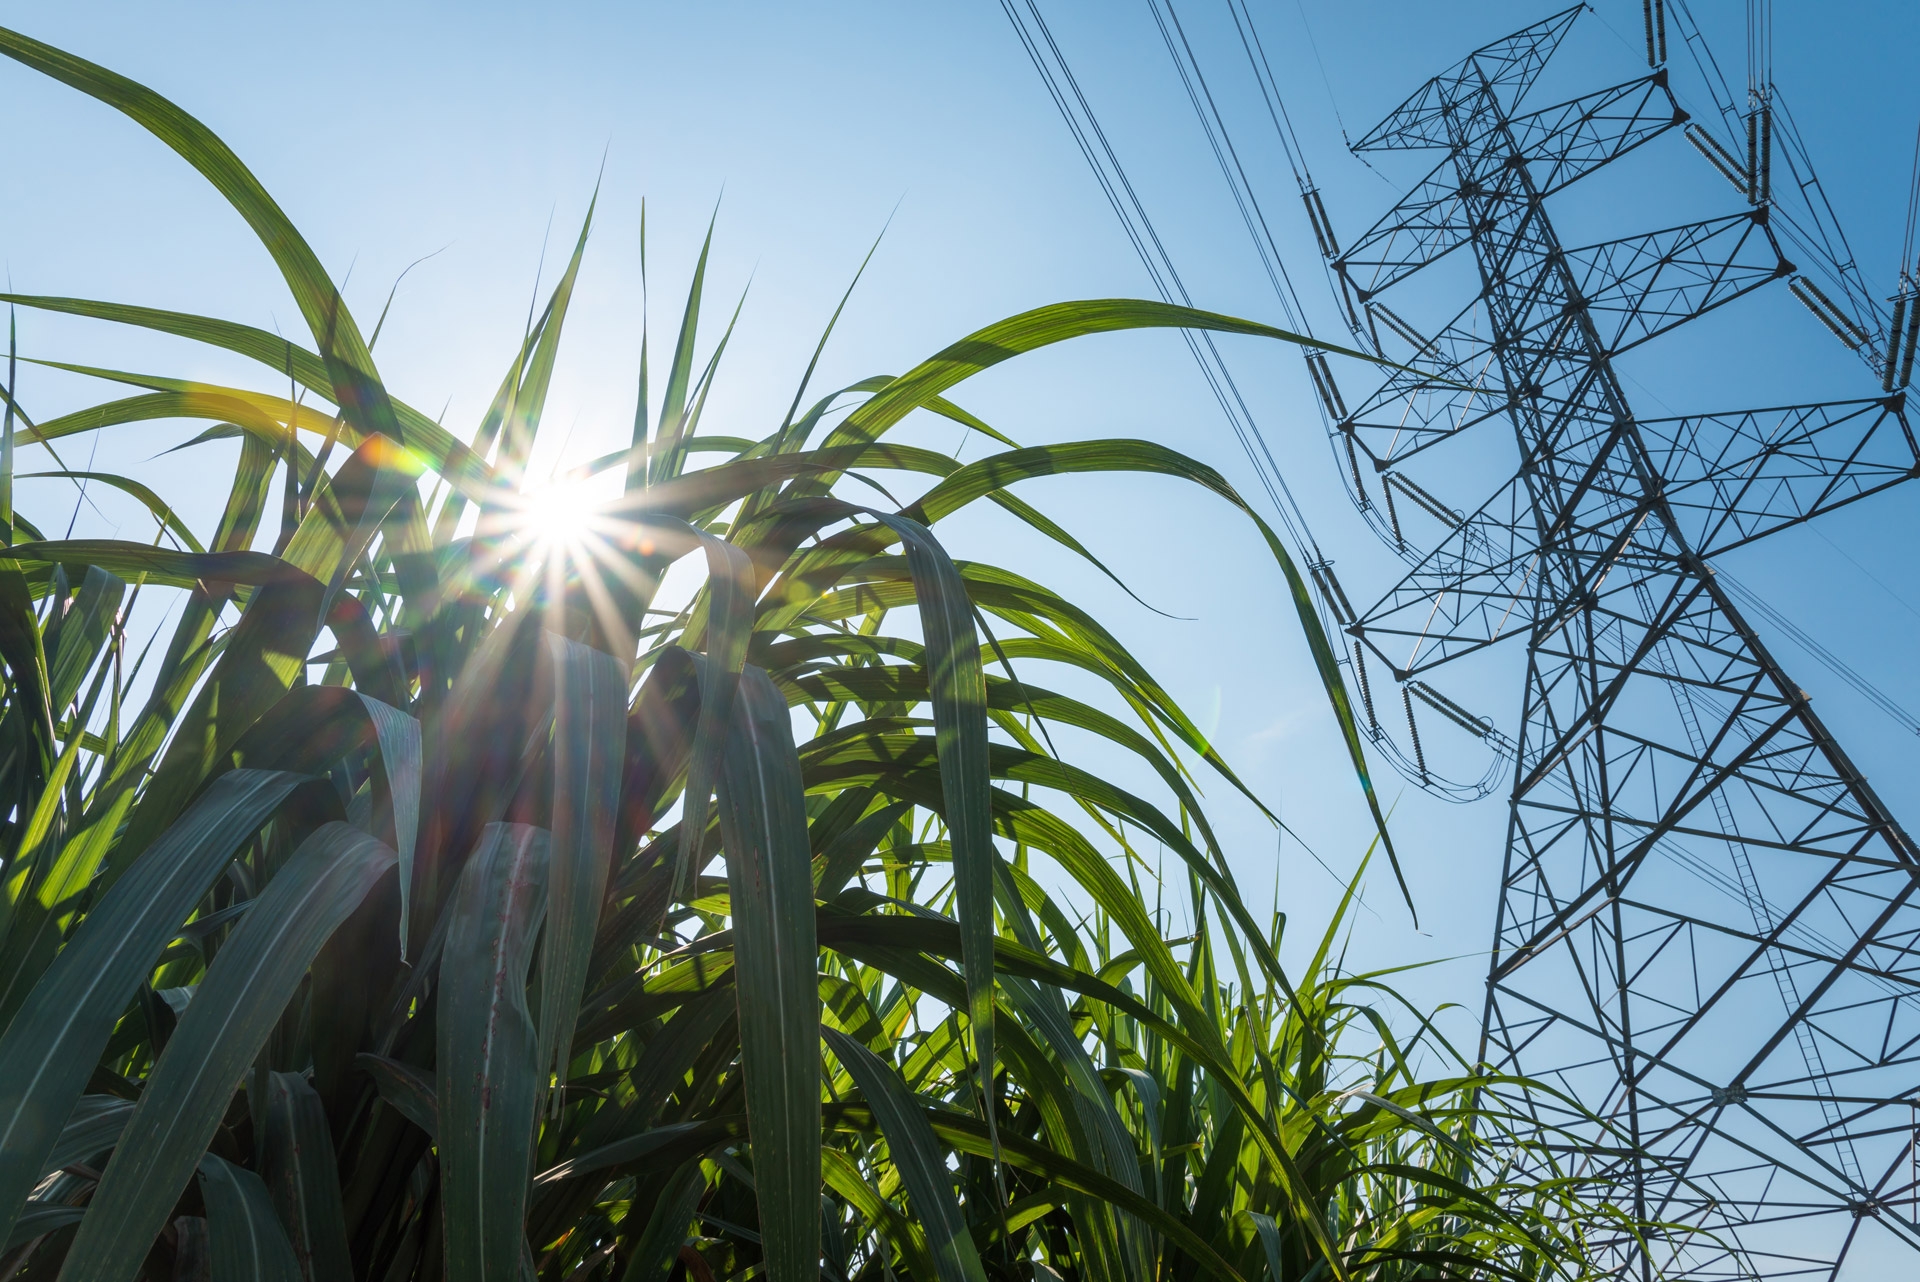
[438, 900]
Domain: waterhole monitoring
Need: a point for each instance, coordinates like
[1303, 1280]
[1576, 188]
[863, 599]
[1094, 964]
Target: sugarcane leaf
[680, 1139]
[312, 727]
[409, 1090]
[968, 1135]
[332, 536]
[56, 1036]
[842, 1174]
[247, 1241]
[729, 624]
[283, 356]
[916, 1155]
[763, 826]
[238, 1003]
[84, 632]
[297, 1162]
[673, 405]
[959, 695]
[1038, 328]
[841, 858]
[589, 751]
[93, 1128]
[400, 753]
[26, 660]
[1110, 1148]
[477, 743]
[530, 399]
[487, 1084]
[356, 386]
[652, 1253]
[162, 511]
[164, 566]
[41, 1218]
[263, 656]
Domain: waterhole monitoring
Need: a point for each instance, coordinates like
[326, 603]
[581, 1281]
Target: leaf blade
[238, 1004]
[301, 1174]
[589, 751]
[69, 1014]
[247, 1240]
[916, 1155]
[763, 826]
[486, 1086]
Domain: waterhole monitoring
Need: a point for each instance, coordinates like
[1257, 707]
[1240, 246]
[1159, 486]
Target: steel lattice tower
[1707, 930]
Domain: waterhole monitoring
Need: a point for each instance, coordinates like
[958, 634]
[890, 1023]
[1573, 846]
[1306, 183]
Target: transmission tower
[1707, 931]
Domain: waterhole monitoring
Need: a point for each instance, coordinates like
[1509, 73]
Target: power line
[1124, 198]
[1907, 266]
[1828, 659]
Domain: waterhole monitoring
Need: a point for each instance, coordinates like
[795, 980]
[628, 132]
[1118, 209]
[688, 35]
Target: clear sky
[392, 130]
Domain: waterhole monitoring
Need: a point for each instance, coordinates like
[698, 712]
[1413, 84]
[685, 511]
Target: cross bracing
[1745, 1061]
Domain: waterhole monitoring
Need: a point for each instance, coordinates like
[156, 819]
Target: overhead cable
[1872, 693]
[1098, 151]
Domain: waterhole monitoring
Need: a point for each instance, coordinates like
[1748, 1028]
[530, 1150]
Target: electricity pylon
[1707, 932]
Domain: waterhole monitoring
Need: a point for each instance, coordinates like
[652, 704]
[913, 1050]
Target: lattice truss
[1706, 932]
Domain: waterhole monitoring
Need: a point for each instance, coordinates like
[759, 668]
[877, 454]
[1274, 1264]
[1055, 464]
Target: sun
[558, 512]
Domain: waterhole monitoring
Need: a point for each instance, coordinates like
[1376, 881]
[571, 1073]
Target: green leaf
[990, 474]
[162, 511]
[530, 398]
[41, 1218]
[763, 825]
[589, 749]
[356, 387]
[6, 430]
[917, 1156]
[400, 752]
[423, 435]
[1038, 328]
[959, 693]
[298, 1165]
[968, 1135]
[238, 1004]
[673, 405]
[333, 535]
[26, 659]
[729, 623]
[83, 633]
[53, 1042]
[93, 1128]
[406, 1088]
[1110, 1148]
[249, 1244]
[488, 1090]
[682, 1139]
[651, 1254]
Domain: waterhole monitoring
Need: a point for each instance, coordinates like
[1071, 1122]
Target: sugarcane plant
[442, 899]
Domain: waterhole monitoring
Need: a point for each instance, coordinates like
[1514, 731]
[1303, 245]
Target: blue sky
[392, 130]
